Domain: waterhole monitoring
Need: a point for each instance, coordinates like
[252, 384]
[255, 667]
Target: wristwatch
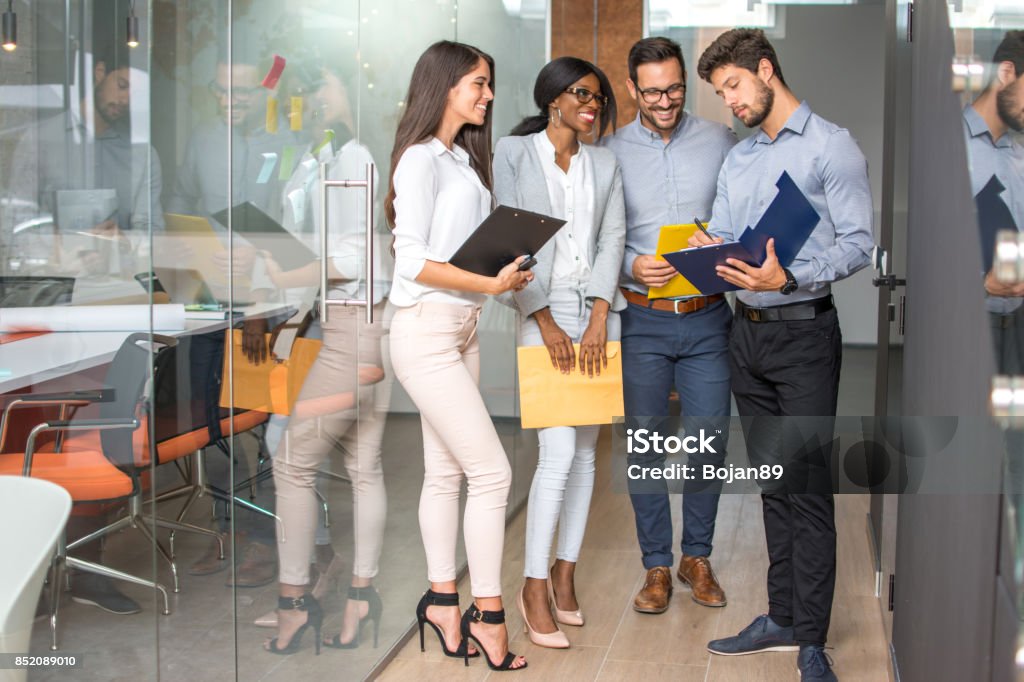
[790, 286]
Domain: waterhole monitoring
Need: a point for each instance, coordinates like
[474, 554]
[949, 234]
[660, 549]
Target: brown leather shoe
[657, 589]
[210, 561]
[696, 572]
[257, 566]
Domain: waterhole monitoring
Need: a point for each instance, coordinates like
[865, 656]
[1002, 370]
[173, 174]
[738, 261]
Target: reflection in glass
[993, 121]
[342, 405]
[91, 171]
[115, 170]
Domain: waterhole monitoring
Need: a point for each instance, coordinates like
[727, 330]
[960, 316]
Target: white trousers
[564, 480]
[436, 355]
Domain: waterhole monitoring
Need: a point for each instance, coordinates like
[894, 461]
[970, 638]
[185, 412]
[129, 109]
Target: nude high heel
[550, 640]
[564, 617]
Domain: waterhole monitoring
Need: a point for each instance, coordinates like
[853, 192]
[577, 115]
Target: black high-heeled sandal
[314, 618]
[473, 614]
[368, 594]
[431, 598]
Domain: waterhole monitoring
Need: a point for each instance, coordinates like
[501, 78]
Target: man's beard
[110, 114]
[1009, 110]
[765, 101]
[649, 116]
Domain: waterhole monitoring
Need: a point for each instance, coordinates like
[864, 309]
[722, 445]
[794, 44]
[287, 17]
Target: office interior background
[939, 576]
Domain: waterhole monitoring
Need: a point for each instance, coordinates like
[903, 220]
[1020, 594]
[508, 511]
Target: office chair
[104, 466]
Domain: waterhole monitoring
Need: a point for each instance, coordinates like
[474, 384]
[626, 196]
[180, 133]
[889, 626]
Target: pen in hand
[702, 228]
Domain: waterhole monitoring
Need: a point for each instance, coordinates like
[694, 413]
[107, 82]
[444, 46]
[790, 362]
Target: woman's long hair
[437, 71]
[553, 79]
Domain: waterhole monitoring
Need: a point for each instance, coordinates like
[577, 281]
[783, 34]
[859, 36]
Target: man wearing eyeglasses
[670, 161]
[202, 183]
[202, 189]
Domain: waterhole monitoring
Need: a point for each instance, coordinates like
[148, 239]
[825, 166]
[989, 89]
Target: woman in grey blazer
[544, 166]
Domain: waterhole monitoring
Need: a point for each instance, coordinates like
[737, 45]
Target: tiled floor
[619, 644]
[200, 640]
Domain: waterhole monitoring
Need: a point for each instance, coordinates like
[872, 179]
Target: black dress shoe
[99, 591]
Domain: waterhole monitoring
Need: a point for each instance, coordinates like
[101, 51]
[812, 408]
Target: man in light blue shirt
[670, 162]
[992, 152]
[786, 347]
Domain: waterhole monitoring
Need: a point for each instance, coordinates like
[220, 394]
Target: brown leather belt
[678, 306]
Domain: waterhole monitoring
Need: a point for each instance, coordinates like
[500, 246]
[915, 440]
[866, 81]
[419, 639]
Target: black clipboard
[266, 234]
[503, 236]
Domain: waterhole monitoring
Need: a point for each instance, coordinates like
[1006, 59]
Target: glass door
[322, 458]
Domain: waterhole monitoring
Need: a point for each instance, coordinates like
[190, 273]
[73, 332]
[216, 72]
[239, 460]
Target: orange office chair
[180, 429]
[104, 464]
[205, 354]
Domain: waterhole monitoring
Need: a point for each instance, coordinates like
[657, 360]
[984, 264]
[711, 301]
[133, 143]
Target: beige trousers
[436, 355]
[334, 413]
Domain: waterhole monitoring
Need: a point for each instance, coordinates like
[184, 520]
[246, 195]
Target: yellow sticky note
[271, 123]
[674, 238]
[549, 398]
[295, 114]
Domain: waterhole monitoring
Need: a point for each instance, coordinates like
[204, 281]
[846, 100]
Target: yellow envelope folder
[549, 398]
[673, 238]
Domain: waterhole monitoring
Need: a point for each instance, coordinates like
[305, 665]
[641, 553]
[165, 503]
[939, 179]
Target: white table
[49, 356]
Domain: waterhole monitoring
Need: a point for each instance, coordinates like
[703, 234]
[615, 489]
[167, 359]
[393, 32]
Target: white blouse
[572, 200]
[439, 202]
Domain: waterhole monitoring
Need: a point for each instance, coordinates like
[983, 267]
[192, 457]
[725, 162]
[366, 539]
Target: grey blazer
[519, 182]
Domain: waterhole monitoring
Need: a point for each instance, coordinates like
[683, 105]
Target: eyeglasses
[583, 96]
[236, 93]
[673, 92]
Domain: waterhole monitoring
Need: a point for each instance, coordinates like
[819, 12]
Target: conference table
[32, 361]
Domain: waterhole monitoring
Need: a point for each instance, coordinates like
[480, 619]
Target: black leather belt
[806, 310]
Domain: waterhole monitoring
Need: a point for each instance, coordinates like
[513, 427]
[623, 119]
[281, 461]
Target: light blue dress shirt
[666, 184]
[1003, 158]
[829, 168]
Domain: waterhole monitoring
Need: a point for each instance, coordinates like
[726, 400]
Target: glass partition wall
[987, 69]
[226, 175]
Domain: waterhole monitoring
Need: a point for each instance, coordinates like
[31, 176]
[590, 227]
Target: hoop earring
[558, 123]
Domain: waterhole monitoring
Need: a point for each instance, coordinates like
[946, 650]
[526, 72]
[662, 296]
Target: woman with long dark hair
[545, 166]
[439, 192]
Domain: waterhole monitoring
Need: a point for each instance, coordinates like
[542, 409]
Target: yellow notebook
[673, 238]
[549, 398]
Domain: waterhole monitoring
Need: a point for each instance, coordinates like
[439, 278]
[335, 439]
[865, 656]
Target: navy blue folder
[698, 265]
[993, 215]
[789, 219]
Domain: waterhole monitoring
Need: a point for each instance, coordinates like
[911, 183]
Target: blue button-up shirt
[829, 168]
[666, 184]
[1003, 158]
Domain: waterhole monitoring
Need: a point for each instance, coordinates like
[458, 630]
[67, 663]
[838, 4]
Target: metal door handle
[325, 184]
